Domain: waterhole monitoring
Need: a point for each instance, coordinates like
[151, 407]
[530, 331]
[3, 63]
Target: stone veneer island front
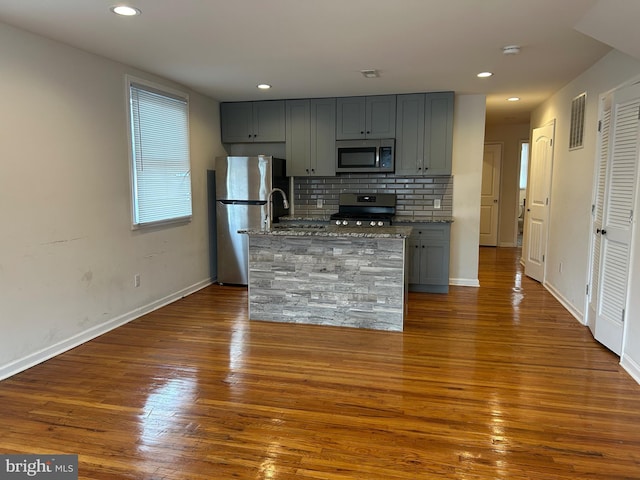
[328, 275]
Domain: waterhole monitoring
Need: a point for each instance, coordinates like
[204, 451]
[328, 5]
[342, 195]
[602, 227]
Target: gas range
[365, 210]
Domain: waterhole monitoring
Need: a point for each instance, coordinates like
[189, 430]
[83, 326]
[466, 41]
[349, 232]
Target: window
[524, 164]
[576, 130]
[160, 165]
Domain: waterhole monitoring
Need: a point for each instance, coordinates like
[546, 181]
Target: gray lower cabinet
[366, 117]
[428, 257]
[311, 144]
[249, 122]
[424, 133]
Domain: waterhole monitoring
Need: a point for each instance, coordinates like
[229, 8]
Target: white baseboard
[632, 367]
[507, 244]
[577, 314]
[464, 282]
[40, 356]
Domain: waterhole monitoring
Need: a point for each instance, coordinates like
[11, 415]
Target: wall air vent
[371, 73]
[576, 131]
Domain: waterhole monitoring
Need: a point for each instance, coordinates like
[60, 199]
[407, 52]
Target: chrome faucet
[269, 219]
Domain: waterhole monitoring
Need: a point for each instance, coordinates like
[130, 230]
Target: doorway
[490, 194]
[522, 190]
[538, 196]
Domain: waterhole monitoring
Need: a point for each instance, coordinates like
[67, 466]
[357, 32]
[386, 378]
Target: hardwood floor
[496, 382]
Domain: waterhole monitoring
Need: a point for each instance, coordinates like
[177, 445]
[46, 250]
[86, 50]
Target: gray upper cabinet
[247, 122]
[311, 133]
[366, 117]
[424, 133]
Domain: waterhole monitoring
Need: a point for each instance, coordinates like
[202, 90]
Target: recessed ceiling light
[513, 99]
[264, 86]
[485, 74]
[125, 10]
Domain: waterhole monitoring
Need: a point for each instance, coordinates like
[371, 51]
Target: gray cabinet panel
[268, 121]
[323, 137]
[438, 132]
[311, 133]
[410, 134]
[366, 117]
[428, 257]
[424, 134]
[381, 116]
[351, 119]
[236, 122]
[248, 122]
[298, 145]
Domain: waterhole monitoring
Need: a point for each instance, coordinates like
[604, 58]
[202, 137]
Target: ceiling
[317, 48]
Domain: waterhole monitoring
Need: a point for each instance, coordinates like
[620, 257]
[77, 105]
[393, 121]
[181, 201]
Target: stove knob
[358, 223]
[338, 222]
[372, 223]
[345, 222]
[381, 223]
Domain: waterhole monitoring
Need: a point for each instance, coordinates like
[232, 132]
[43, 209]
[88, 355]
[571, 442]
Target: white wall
[468, 150]
[67, 251]
[572, 187]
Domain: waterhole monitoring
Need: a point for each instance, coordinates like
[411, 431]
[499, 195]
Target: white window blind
[161, 171]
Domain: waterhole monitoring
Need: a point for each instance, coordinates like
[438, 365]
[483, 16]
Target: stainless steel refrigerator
[243, 185]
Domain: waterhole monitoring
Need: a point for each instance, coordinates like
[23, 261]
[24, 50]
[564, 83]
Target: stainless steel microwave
[365, 155]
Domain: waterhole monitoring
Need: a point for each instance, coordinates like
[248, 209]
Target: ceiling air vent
[576, 132]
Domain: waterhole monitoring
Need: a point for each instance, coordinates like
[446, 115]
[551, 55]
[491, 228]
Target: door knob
[598, 230]
[603, 231]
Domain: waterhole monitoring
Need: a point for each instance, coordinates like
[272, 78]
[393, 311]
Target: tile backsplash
[415, 195]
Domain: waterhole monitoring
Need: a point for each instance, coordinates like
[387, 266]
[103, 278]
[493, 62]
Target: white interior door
[597, 211]
[538, 193]
[617, 224]
[490, 194]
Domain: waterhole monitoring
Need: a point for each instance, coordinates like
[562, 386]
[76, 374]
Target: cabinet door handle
[368, 132]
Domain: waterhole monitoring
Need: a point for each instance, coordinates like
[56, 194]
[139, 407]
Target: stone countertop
[333, 231]
[396, 219]
[305, 218]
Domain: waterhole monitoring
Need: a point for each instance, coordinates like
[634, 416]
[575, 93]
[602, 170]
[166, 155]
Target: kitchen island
[328, 275]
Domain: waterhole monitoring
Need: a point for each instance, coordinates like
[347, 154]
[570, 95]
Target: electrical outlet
[437, 203]
[136, 280]
[319, 203]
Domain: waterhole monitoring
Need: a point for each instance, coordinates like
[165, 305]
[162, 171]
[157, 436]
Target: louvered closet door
[618, 217]
[598, 210]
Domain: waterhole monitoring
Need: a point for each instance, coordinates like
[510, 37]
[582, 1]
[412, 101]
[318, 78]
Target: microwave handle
[378, 157]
